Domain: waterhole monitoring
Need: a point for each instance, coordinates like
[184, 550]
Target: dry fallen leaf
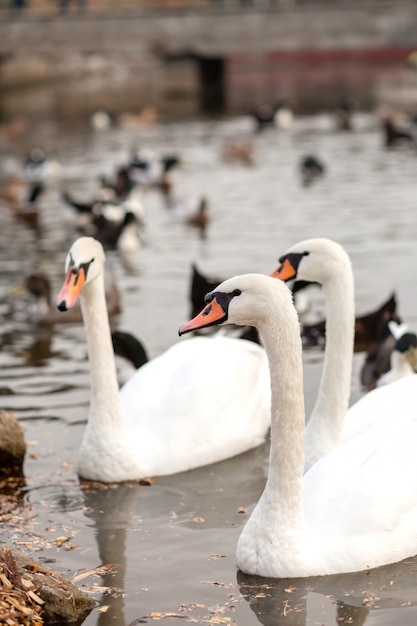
[59, 541]
[19, 606]
[285, 609]
[34, 596]
[146, 482]
[193, 605]
[158, 616]
[100, 570]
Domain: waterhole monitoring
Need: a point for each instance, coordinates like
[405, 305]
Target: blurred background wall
[203, 56]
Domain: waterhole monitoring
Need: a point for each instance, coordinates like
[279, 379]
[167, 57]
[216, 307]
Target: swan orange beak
[212, 314]
[71, 288]
[285, 271]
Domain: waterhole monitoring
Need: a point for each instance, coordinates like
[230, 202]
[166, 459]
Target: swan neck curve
[105, 403]
[278, 518]
[283, 490]
[324, 428]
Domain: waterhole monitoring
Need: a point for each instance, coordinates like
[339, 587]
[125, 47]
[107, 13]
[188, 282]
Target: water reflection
[170, 503]
[301, 601]
[40, 349]
[111, 510]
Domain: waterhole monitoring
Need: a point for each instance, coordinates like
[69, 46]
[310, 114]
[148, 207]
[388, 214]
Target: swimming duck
[40, 167]
[193, 210]
[390, 357]
[403, 359]
[130, 354]
[368, 327]
[146, 117]
[239, 152]
[269, 116]
[200, 285]
[396, 130]
[16, 128]
[152, 172]
[102, 119]
[344, 115]
[22, 198]
[311, 168]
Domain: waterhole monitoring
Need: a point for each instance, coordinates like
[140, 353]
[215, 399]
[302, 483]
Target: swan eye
[81, 269]
[236, 292]
[70, 262]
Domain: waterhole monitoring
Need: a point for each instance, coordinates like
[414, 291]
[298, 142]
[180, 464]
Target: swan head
[84, 263]
[246, 300]
[314, 260]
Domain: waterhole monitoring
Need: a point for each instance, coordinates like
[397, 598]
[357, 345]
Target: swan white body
[185, 423]
[204, 400]
[356, 508]
[396, 401]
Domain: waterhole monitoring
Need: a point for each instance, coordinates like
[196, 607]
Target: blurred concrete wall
[265, 52]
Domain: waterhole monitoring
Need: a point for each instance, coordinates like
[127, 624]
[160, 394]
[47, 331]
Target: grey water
[169, 547]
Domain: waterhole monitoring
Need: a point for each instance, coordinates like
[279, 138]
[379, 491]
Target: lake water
[170, 546]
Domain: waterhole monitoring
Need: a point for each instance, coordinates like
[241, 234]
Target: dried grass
[19, 603]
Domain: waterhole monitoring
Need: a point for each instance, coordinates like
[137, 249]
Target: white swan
[324, 261]
[356, 508]
[330, 422]
[201, 401]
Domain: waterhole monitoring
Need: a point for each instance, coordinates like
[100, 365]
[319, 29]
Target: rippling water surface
[173, 543]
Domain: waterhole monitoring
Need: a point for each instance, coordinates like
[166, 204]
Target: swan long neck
[324, 428]
[105, 407]
[284, 487]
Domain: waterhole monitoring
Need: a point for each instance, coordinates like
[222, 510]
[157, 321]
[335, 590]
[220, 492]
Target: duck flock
[219, 392]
